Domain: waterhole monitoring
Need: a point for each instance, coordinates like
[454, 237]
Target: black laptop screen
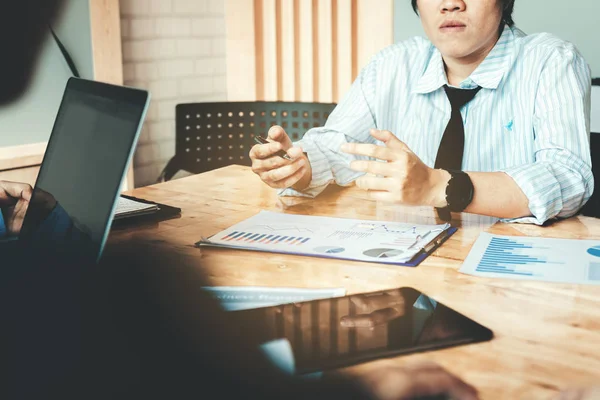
[87, 156]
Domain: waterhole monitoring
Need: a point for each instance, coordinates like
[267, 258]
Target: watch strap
[459, 194]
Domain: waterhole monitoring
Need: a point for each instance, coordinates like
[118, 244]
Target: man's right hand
[276, 171]
[424, 380]
[14, 201]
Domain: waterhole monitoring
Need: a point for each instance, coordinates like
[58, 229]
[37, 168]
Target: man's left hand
[403, 178]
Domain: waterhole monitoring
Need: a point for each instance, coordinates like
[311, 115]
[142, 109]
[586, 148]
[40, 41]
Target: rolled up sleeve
[560, 181]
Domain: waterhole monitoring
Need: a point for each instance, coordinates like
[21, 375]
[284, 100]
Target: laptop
[80, 178]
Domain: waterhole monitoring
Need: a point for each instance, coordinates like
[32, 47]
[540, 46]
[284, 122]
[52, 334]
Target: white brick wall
[176, 50]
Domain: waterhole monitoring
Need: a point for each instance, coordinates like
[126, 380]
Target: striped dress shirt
[531, 118]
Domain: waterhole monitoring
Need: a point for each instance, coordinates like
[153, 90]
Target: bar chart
[510, 256]
[534, 258]
[272, 239]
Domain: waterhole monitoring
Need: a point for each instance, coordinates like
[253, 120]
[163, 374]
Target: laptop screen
[86, 159]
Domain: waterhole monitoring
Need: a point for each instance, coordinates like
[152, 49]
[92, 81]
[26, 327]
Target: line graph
[399, 229]
[281, 228]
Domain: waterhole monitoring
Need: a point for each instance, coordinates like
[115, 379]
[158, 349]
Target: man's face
[461, 29]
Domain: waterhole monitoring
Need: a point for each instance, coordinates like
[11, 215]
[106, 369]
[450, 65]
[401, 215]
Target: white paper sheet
[234, 298]
[351, 239]
[532, 258]
[127, 207]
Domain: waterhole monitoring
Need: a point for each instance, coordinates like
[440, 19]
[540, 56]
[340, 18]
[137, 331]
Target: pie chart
[594, 251]
[382, 253]
[329, 249]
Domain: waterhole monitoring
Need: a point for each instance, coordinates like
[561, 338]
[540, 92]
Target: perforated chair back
[214, 135]
[592, 207]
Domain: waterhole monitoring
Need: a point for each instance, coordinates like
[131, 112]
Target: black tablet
[332, 333]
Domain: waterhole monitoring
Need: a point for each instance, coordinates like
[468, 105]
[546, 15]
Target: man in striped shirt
[526, 132]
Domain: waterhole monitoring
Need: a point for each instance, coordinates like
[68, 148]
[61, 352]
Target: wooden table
[547, 336]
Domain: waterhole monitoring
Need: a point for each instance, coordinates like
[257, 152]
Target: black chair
[592, 207]
[214, 135]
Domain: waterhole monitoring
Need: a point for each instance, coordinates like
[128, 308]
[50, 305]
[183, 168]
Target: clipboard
[430, 248]
[416, 259]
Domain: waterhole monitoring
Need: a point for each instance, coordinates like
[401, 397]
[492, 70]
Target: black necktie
[452, 145]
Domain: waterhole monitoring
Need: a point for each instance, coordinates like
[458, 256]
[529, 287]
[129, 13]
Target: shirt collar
[488, 74]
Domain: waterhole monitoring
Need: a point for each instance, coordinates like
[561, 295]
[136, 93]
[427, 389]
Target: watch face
[459, 192]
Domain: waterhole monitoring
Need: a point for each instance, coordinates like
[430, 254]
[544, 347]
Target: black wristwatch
[459, 194]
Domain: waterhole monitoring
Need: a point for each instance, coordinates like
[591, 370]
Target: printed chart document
[350, 239]
[531, 258]
[234, 298]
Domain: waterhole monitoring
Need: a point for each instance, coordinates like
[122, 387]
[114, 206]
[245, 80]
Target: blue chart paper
[529, 258]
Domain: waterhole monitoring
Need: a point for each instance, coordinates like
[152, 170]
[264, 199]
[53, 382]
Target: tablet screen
[332, 333]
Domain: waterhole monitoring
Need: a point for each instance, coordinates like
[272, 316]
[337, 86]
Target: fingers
[366, 182]
[10, 192]
[369, 150]
[278, 172]
[16, 216]
[271, 163]
[373, 167]
[264, 151]
[279, 140]
[389, 152]
[389, 139]
[277, 134]
[272, 168]
[290, 180]
[285, 176]
[386, 190]
[283, 172]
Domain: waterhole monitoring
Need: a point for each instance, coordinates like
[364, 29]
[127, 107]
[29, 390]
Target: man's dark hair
[507, 10]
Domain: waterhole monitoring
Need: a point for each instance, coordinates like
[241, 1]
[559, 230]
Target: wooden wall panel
[105, 23]
[343, 49]
[242, 77]
[302, 50]
[375, 28]
[307, 73]
[325, 51]
[288, 51]
[269, 52]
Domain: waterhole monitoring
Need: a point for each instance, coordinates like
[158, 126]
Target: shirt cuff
[321, 172]
[542, 189]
